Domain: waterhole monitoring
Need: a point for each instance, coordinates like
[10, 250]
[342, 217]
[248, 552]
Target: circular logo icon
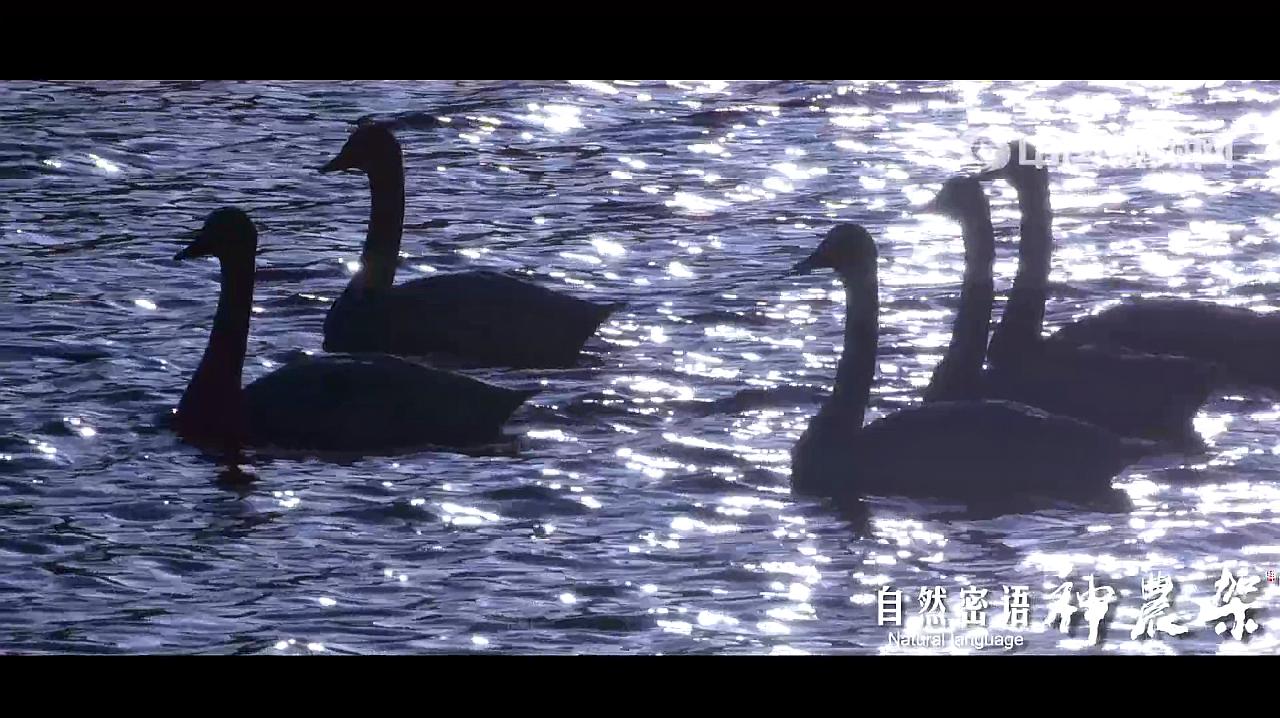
[988, 152]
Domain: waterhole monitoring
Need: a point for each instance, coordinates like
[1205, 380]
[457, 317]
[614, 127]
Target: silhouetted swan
[324, 403]
[1243, 343]
[968, 450]
[1145, 395]
[482, 316]
[1134, 395]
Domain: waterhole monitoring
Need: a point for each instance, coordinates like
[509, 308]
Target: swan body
[484, 316]
[352, 403]
[481, 316]
[330, 403]
[1243, 343]
[1150, 396]
[973, 450]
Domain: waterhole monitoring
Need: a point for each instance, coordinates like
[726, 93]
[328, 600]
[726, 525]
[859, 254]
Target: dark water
[639, 518]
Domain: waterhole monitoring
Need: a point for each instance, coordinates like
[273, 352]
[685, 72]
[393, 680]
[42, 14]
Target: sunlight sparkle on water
[104, 164]
[557, 118]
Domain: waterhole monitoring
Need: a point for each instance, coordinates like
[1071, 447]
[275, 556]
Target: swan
[1244, 344]
[1147, 396]
[965, 450]
[481, 316]
[322, 403]
[1152, 396]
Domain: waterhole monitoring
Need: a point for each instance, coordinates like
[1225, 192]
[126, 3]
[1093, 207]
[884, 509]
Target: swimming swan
[1244, 344]
[482, 316]
[967, 450]
[1147, 396]
[321, 403]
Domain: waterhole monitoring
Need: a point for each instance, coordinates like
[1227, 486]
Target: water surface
[649, 511]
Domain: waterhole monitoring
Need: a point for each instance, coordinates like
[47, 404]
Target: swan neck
[856, 370]
[959, 374]
[1018, 333]
[386, 225]
[217, 379]
[979, 244]
[1035, 247]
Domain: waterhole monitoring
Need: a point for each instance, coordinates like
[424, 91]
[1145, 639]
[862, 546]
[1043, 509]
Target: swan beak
[804, 267]
[200, 246]
[988, 175]
[931, 207]
[338, 164]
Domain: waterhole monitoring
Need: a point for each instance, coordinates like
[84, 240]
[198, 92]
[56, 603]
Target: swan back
[375, 402]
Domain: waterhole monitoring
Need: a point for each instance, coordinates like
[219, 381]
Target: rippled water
[649, 511]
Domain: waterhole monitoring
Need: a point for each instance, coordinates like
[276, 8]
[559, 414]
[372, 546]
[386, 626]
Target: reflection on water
[649, 511]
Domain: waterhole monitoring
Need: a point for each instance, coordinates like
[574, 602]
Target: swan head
[370, 147]
[847, 248]
[958, 198]
[227, 233]
[1021, 166]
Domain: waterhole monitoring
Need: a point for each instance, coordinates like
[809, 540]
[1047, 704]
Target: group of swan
[1023, 415]
[1057, 416]
[966, 448]
[367, 399]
